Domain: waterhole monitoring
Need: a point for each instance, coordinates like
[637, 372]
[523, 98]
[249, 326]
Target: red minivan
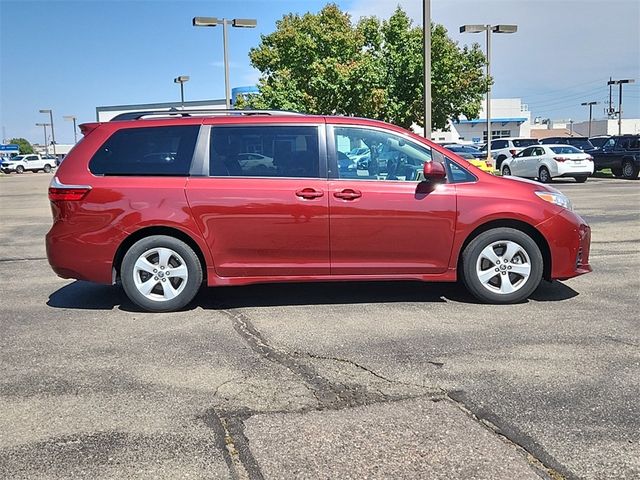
[166, 202]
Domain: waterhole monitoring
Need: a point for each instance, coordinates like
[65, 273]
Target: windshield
[581, 143]
[524, 142]
[566, 149]
[598, 142]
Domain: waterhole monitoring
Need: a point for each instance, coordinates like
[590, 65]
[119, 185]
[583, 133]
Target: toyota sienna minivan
[164, 203]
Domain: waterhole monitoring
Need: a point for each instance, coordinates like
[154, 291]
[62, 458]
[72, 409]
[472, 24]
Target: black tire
[506, 171]
[544, 176]
[581, 179]
[499, 161]
[186, 254]
[629, 170]
[471, 259]
[617, 172]
[47, 168]
[19, 169]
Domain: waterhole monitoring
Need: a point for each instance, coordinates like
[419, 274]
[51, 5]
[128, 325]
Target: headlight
[556, 198]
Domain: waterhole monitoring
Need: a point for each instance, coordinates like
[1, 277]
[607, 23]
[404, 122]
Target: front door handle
[309, 193]
[348, 194]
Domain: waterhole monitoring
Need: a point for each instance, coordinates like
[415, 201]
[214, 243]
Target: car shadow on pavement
[88, 296]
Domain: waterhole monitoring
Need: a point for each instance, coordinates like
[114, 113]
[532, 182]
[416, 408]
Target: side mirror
[434, 171]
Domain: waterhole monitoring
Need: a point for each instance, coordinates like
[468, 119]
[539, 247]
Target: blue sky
[72, 56]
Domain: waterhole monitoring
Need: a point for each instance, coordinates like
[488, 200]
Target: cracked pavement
[379, 380]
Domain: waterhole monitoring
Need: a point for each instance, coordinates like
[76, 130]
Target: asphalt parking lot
[363, 380]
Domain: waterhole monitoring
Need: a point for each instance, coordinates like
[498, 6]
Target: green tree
[324, 64]
[23, 144]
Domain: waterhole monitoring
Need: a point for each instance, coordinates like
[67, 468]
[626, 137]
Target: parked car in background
[484, 165]
[503, 148]
[582, 143]
[28, 163]
[546, 162]
[163, 228]
[620, 153]
[475, 152]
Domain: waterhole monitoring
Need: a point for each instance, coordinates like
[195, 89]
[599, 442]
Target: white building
[509, 118]
[607, 127]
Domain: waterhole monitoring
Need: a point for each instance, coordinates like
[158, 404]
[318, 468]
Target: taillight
[513, 152]
[589, 158]
[59, 192]
[560, 159]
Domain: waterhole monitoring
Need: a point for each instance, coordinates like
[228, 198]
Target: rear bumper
[569, 239]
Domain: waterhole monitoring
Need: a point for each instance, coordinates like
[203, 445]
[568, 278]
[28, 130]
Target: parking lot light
[44, 126]
[214, 22]
[72, 118]
[489, 29]
[53, 135]
[182, 79]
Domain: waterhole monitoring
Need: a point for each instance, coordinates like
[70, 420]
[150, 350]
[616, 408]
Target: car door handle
[309, 193]
[348, 194]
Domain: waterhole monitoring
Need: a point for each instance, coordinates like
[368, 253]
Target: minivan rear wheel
[502, 265]
[161, 273]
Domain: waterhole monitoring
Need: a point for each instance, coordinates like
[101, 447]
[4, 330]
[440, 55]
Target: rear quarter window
[147, 151]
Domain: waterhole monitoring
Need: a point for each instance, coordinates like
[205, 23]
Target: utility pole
[426, 25]
[590, 105]
[620, 83]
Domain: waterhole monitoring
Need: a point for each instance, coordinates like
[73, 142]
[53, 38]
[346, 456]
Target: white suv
[502, 148]
[23, 163]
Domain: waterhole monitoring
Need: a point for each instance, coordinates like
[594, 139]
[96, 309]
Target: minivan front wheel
[502, 265]
[161, 273]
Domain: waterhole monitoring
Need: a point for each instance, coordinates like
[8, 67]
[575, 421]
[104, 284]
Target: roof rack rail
[189, 113]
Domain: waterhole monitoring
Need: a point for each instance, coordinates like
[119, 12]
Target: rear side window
[265, 151]
[524, 142]
[147, 151]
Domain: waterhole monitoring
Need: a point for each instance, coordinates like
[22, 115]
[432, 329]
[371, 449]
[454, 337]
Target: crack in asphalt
[21, 259]
[542, 462]
[228, 426]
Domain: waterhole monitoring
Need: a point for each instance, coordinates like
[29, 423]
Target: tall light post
[214, 22]
[72, 118]
[44, 126]
[53, 135]
[620, 82]
[489, 29]
[426, 25]
[590, 105]
[182, 79]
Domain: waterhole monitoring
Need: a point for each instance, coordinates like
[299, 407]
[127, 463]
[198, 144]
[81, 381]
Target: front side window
[265, 151]
[147, 151]
[527, 152]
[386, 156]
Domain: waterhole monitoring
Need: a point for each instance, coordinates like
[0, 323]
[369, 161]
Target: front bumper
[569, 239]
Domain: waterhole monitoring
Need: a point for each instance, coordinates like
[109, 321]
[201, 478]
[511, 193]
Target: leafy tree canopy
[23, 144]
[325, 64]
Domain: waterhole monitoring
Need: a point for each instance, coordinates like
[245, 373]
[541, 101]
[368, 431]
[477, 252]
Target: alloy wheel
[503, 267]
[160, 274]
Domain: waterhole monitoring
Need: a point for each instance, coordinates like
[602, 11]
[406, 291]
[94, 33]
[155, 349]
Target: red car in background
[165, 202]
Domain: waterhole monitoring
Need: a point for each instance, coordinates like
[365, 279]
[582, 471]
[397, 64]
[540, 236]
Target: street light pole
[182, 79]
[620, 82]
[53, 135]
[427, 67]
[236, 22]
[75, 134]
[489, 29]
[590, 105]
[44, 126]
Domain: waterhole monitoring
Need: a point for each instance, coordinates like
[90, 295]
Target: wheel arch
[157, 230]
[524, 227]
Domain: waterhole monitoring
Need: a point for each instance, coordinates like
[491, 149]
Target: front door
[263, 208]
[383, 220]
